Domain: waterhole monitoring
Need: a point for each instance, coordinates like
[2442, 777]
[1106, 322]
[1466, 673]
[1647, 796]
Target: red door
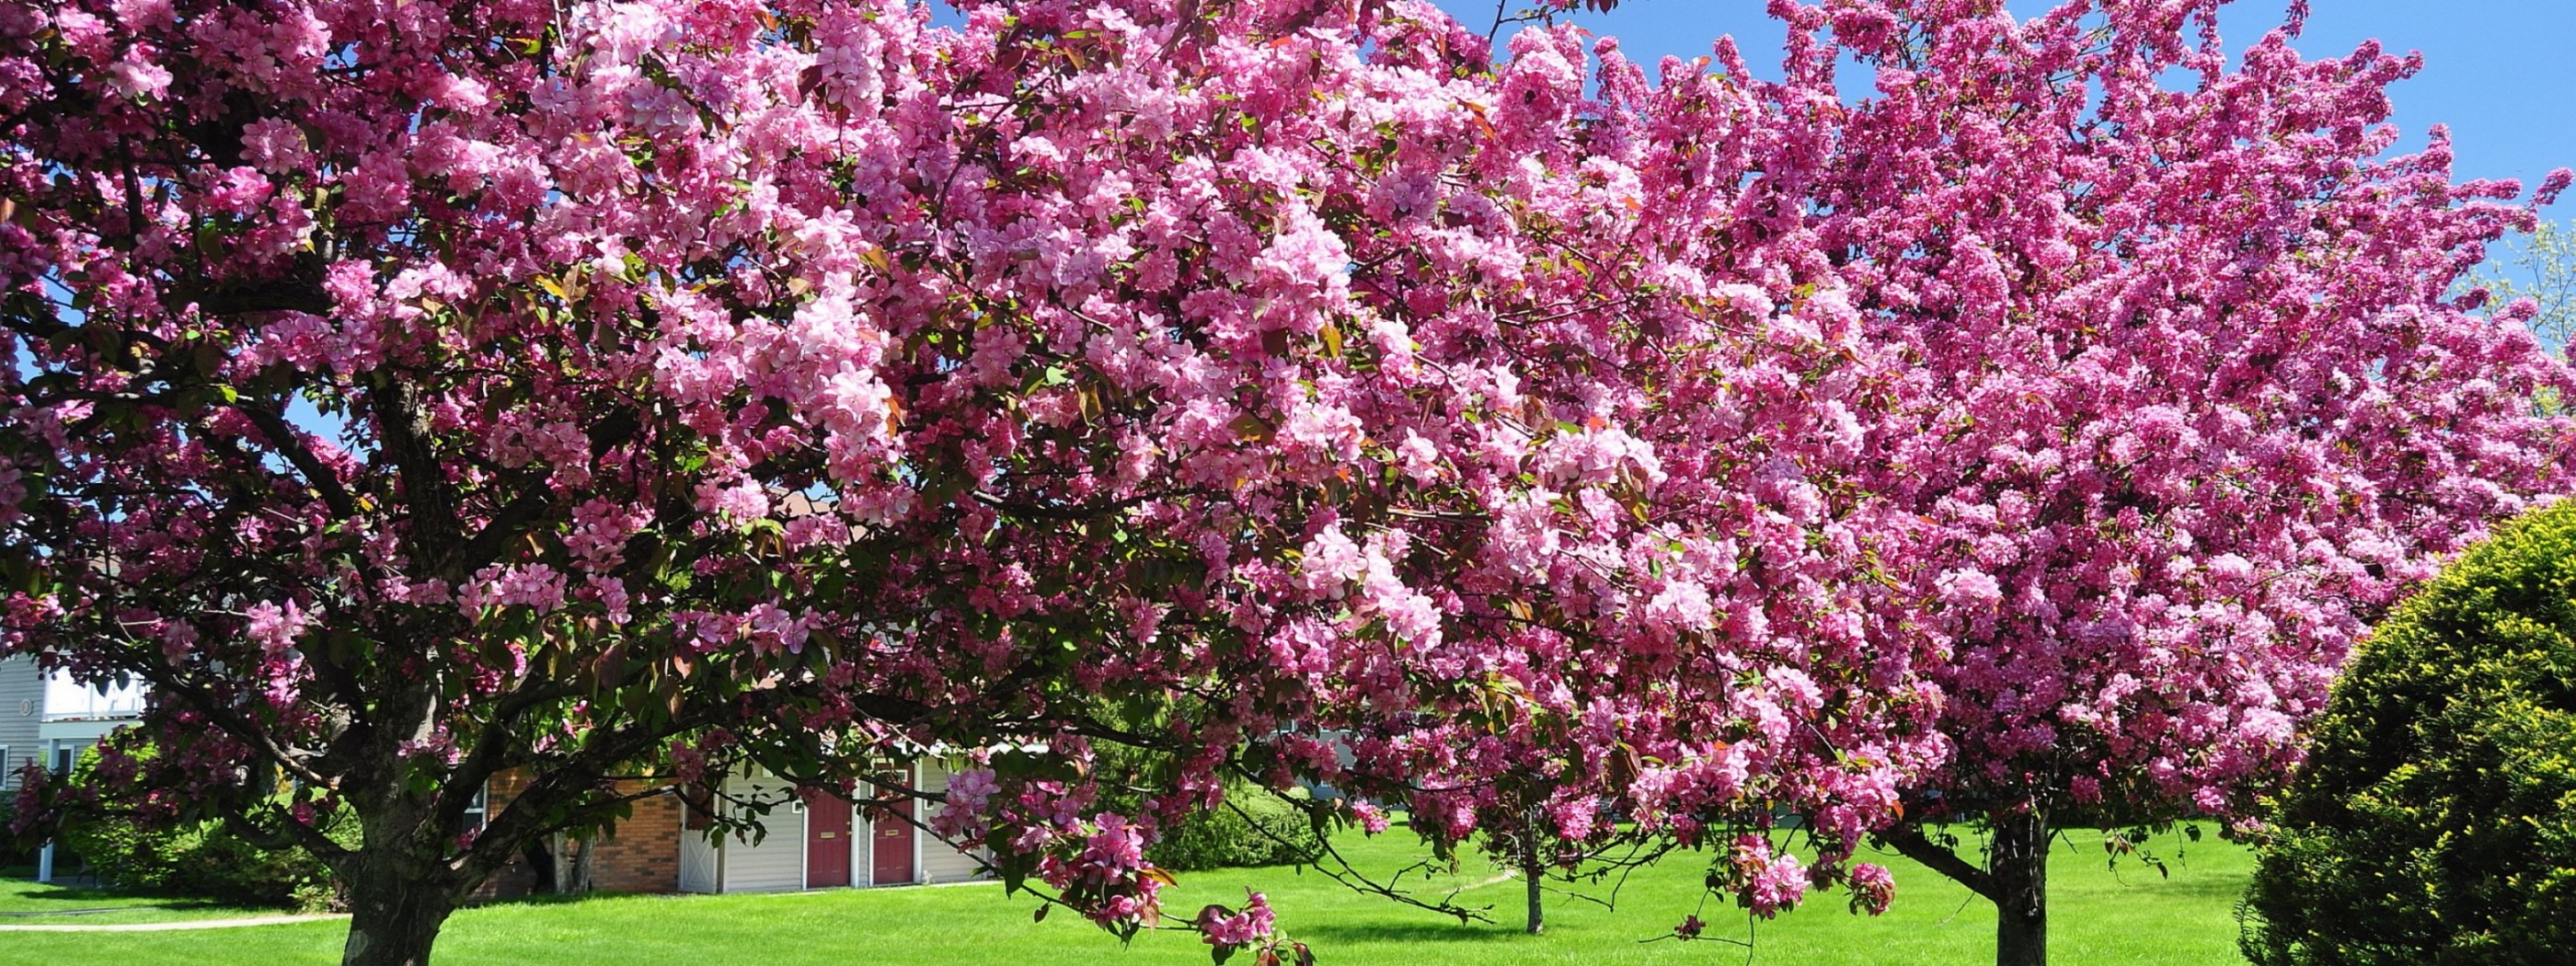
[827, 840]
[892, 836]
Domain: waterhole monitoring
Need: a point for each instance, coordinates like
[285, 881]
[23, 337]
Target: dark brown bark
[1910, 842]
[2014, 878]
[1533, 870]
[401, 885]
[395, 911]
[1537, 915]
[2017, 864]
[539, 856]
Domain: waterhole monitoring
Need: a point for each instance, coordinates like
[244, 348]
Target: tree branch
[285, 296]
[1910, 842]
[290, 445]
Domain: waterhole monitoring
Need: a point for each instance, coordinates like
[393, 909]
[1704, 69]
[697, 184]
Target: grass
[24, 902]
[2130, 918]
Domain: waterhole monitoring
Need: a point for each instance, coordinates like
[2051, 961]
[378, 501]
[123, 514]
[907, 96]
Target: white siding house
[22, 716]
[940, 863]
[773, 863]
[78, 715]
[810, 845]
[50, 719]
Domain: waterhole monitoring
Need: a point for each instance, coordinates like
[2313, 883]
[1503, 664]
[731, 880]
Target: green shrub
[13, 853]
[2435, 821]
[1253, 828]
[203, 860]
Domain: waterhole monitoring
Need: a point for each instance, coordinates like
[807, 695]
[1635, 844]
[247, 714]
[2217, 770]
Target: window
[472, 820]
[65, 755]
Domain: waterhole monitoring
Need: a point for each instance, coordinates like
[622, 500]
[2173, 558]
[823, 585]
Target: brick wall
[641, 855]
[644, 854]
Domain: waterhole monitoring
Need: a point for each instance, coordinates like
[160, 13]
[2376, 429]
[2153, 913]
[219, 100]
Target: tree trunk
[394, 912]
[581, 866]
[559, 864]
[2018, 868]
[1537, 916]
[539, 857]
[1533, 871]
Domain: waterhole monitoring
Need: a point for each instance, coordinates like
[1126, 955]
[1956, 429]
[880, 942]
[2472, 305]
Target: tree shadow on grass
[2198, 887]
[562, 898]
[1403, 932]
[2130, 879]
[58, 900]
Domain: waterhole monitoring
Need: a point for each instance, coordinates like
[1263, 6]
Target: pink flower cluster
[1233, 928]
[274, 627]
[1372, 819]
[1872, 888]
[1765, 881]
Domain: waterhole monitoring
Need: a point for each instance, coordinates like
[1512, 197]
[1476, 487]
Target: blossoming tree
[2177, 404]
[2186, 406]
[1762, 665]
[414, 391]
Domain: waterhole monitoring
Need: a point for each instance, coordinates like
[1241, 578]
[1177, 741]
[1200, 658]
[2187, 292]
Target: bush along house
[814, 840]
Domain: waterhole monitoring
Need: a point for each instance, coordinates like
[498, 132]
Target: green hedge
[200, 861]
[1253, 828]
[2435, 821]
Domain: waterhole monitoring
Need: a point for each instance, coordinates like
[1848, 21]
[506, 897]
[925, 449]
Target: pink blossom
[1116, 847]
[1872, 888]
[1773, 883]
[1253, 923]
[536, 586]
[1969, 588]
[131, 77]
[274, 627]
[1371, 818]
[968, 790]
[1705, 448]
[1575, 817]
[741, 501]
[1331, 562]
[239, 190]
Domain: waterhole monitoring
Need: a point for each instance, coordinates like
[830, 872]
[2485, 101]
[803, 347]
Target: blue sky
[2501, 73]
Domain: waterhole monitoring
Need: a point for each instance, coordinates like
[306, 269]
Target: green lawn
[24, 902]
[2133, 918]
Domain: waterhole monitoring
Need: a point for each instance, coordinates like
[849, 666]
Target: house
[22, 713]
[813, 841]
[49, 719]
[819, 841]
[77, 715]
